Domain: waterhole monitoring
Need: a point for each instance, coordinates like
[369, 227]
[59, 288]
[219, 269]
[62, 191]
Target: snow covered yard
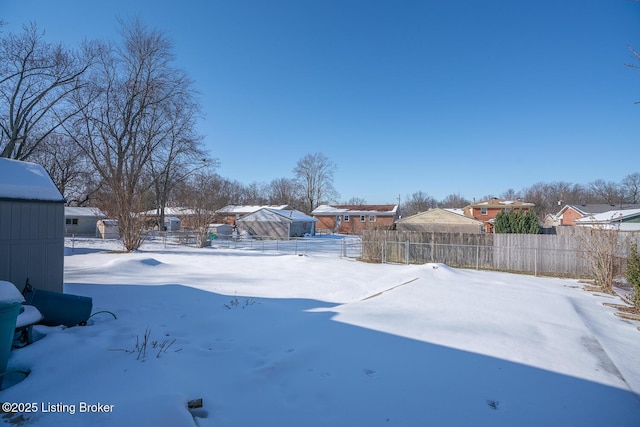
[268, 339]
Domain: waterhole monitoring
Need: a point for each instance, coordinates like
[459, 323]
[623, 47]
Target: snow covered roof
[26, 181]
[294, 215]
[455, 211]
[83, 211]
[355, 210]
[609, 216]
[266, 214]
[596, 208]
[500, 203]
[245, 209]
[171, 211]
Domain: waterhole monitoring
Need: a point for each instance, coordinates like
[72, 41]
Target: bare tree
[314, 174]
[356, 201]
[453, 201]
[606, 191]
[418, 202]
[68, 167]
[180, 154]
[284, 191]
[511, 194]
[550, 197]
[196, 195]
[37, 80]
[255, 194]
[132, 91]
[631, 188]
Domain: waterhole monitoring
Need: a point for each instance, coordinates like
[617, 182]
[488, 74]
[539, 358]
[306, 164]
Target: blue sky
[445, 97]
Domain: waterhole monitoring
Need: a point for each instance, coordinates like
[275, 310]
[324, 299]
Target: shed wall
[271, 229]
[32, 244]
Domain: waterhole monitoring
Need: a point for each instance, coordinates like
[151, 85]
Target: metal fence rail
[349, 247]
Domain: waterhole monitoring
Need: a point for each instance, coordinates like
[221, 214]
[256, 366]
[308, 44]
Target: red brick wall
[569, 217]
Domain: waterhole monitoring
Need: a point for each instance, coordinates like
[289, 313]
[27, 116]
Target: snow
[609, 216]
[17, 179]
[274, 339]
[9, 294]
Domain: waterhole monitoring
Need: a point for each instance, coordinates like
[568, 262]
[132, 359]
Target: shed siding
[32, 244]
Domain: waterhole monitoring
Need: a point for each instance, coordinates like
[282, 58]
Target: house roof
[388, 210]
[269, 214]
[589, 209]
[83, 211]
[618, 215]
[171, 211]
[440, 216]
[26, 181]
[245, 209]
[500, 203]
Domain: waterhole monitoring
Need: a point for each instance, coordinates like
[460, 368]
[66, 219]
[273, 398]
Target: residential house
[82, 221]
[440, 221]
[351, 219]
[486, 210]
[174, 218]
[570, 213]
[31, 227]
[619, 219]
[231, 213]
[277, 223]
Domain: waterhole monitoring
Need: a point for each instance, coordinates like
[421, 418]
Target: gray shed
[277, 223]
[31, 226]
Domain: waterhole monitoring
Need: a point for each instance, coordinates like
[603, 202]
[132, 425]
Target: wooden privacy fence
[560, 255]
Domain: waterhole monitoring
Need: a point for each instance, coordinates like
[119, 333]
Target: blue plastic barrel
[8, 315]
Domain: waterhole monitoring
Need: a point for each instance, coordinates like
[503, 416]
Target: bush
[633, 273]
[517, 221]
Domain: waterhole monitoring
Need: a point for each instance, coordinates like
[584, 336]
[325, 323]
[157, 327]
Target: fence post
[383, 251]
[406, 252]
[535, 262]
[477, 257]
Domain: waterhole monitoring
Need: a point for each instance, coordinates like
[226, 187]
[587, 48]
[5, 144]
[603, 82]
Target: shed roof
[268, 214]
[26, 181]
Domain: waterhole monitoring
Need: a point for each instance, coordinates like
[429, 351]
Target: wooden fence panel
[554, 254]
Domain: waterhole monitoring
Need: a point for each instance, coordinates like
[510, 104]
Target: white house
[623, 220]
[82, 221]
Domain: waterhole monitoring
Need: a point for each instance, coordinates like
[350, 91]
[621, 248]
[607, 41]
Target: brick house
[351, 219]
[486, 210]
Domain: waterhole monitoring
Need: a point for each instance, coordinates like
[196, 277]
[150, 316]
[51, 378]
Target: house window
[372, 218]
[346, 218]
[483, 211]
[363, 218]
[71, 221]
